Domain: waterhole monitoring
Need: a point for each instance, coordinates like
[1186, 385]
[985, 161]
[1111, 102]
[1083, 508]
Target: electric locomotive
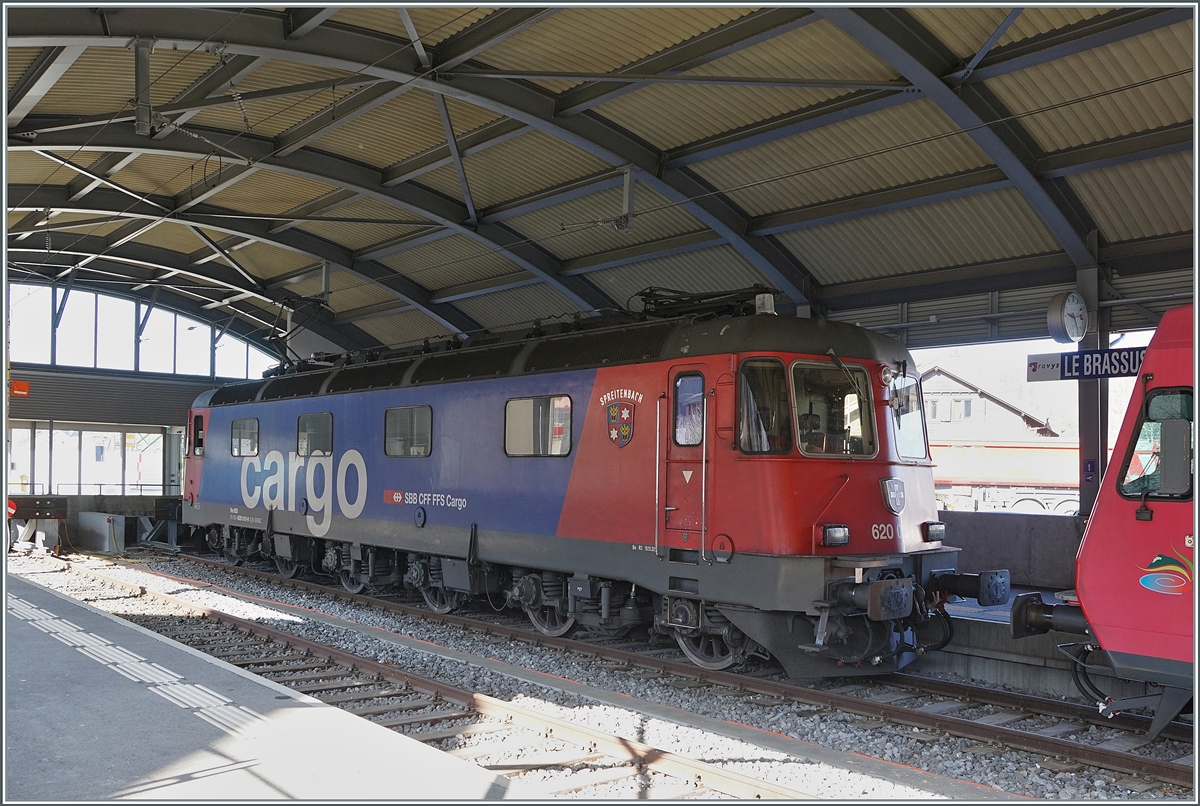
[750, 484]
[1134, 597]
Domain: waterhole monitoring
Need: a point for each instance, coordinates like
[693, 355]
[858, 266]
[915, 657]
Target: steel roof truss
[491, 134]
[444, 113]
[47, 68]
[491, 30]
[299, 22]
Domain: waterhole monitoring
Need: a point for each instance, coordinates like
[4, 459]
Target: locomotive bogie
[744, 486]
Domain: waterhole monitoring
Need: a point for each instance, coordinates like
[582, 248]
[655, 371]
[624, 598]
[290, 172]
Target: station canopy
[391, 174]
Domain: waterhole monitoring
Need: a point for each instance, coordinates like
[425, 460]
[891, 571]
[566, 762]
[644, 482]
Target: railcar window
[314, 435]
[833, 418]
[689, 409]
[1142, 471]
[198, 435]
[765, 421]
[244, 437]
[904, 397]
[538, 426]
[408, 431]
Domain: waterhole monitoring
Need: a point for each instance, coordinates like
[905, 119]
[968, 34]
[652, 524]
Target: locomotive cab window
[244, 437]
[198, 435]
[904, 397]
[833, 410]
[1160, 462]
[314, 435]
[538, 426]
[764, 411]
[408, 431]
[689, 410]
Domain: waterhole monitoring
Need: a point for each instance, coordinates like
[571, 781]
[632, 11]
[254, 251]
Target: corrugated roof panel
[506, 171]
[269, 192]
[18, 61]
[1140, 199]
[517, 307]
[449, 261]
[465, 117]
[404, 126]
[359, 236]
[718, 269]
[100, 80]
[555, 228]
[973, 229]
[435, 25]
[1140, 286]
[670, 115]
[403, 328]
[383, 19]
[445, 181]
[28, 168]
[884, 135]
[965, 30]
[165, 176]
[266, 261]
[271, 116]
[97, 230]
[14, 218]
[1105, 69]
[1031, 304]
[868, 317]
[929, 334]
[598, 40]
[175, 237]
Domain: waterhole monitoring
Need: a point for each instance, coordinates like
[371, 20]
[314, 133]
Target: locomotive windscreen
[832, 416]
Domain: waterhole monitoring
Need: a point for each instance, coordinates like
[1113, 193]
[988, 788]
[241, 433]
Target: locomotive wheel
[215, 539]
[287, 568]
[707, 650]
[442, 601]
[550, 622]
[231, 556]
[352, 583]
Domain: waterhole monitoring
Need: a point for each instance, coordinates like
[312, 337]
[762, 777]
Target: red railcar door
[686, 442]
[197, 427]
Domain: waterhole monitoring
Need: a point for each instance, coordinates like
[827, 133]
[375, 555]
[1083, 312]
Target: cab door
[197, 429]
[686, 442]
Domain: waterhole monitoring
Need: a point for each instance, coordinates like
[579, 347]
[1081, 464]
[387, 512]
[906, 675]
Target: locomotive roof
[575, 347]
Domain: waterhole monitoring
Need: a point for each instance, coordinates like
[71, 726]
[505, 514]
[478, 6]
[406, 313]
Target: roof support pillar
[1093, 430]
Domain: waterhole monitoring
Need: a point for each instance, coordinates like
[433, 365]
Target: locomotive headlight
[934, 532]
[886, 375]
[893, 495]
[835, 535]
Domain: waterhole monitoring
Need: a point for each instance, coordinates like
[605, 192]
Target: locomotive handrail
[704, 473]
[658, 511]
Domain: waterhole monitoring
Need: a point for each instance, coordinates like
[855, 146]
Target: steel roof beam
[742, 33]
[325, 204]
[299, 22]
[652, 250]
[567, 191]
[488, 32]
[900, 42]
[504, 282]
[1174, 139]
[100, 172]
[225, 177]
[296, 241]
[491, 134]
[96, 176]
[371, 311]
[336, 115]
[227, 73]
[207, 254]
[717, 81]
[448, 127]
[400, 243]
[45, 71]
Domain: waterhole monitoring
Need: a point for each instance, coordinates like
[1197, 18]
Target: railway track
[1036, 724]
[567, 757]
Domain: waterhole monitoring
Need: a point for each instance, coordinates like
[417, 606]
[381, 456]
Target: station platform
[100, 709]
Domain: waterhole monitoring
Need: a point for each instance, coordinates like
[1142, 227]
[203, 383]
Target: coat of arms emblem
[620, 423]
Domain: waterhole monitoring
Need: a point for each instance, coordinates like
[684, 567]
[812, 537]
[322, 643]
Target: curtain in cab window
[408, 431]
[765, 422]
[538, 426]
[314, 435]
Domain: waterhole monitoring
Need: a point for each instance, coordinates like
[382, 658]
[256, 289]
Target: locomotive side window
[244, 437]
[408, 431]
[314, 435]
[198, 435]
[765, 422]
[538, 426]
[689, 410]
[833, 410]
[904, 397]
[1162, 451]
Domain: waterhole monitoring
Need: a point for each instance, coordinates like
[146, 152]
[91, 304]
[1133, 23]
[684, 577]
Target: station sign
[1085, 365]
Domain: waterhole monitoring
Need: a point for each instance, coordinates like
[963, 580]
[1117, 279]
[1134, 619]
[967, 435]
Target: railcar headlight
[934, 532]
[835, 534]
[886, 375]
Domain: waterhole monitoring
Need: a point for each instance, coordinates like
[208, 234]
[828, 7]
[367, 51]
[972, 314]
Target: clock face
[1075, 316]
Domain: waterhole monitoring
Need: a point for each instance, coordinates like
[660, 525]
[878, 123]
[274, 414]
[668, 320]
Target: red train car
[1135, 569]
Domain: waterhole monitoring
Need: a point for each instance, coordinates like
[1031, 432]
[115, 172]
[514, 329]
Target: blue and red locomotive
[749, 484]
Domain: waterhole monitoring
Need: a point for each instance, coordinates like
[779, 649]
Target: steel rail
[698, 772]
[1115, 760]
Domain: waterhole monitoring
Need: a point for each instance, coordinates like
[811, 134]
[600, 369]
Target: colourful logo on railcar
[620, 422]
[1169, 575]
